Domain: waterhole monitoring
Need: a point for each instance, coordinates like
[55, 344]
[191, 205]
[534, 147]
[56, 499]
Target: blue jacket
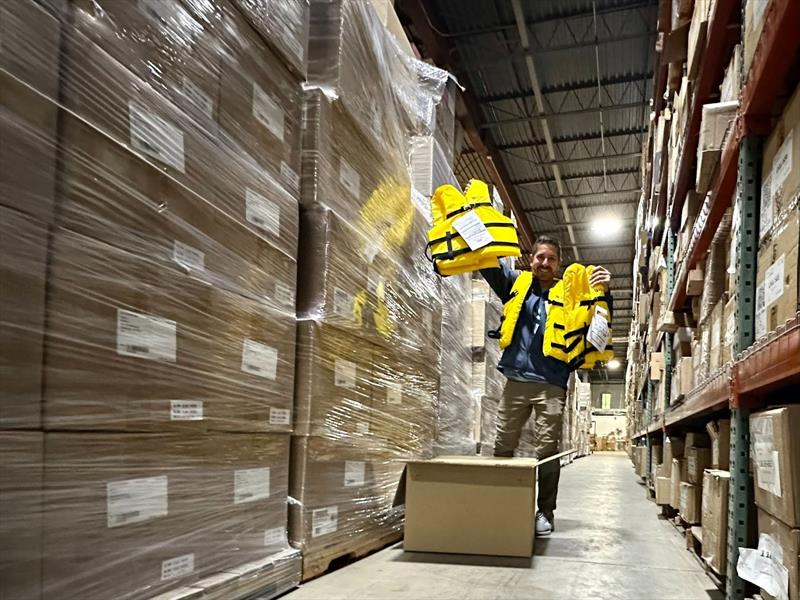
[524, 359]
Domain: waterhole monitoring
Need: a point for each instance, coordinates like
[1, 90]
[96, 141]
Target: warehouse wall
[617, 391]
[606, 424]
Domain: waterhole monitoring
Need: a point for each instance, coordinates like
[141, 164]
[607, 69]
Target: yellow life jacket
[571, 306]
[449, 251]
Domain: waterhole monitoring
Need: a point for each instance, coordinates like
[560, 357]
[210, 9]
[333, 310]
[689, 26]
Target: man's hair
[546, 239]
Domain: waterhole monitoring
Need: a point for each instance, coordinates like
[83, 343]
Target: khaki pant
[546, 402]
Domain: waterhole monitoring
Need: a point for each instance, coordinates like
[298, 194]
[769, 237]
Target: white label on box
[189, 257]
[186, 410]
[290, 176]
[394, 392]
[259, 359]
[268, 112]
[773, 281]
[344, 373]
[177, 567]
[157, 10]
[377, 120]
[343, 304]
[423, 205]
[284, 295]
[764, 567]
[782, 165]
[362, 427]
[373, 280]
[598, 330]
[350, 179]
[275, 537]
[354, 473]
[198, 97]
[136, 500]
[280, 416]
[766, 215]
[716, 334]
[146, 336]
[472, 230]
[765, 458]
[761, 312]
[730, 329]
[324, 520]
[250, 485]
[262, 212]
[155, 137]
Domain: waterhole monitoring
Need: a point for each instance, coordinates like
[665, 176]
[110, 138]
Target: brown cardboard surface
[715, 519]
[780, 164]
[137, 345]
[789, 541]
[697, 461]
[775, 452]
[720, 432]
[21, 510]
[663, 490]
[778, 273]
[128, 514]
[23, 254]
[679, 473]
[451, 506]
[690, 503]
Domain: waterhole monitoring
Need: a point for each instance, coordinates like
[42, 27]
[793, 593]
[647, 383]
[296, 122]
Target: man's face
[545, 262]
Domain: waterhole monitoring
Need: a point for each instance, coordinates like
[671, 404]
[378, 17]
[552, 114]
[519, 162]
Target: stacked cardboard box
[716, 121]
[167, 336]
[715, 519]
[775, 454]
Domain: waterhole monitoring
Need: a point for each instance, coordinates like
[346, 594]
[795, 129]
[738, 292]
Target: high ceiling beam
[577, 176]
[569, 87]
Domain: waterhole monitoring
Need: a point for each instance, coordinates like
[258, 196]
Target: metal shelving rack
[773, 363]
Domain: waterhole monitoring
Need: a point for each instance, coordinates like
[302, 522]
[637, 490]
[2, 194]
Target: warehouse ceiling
[562, 91]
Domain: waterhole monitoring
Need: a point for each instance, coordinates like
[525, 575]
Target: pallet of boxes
[150, 233]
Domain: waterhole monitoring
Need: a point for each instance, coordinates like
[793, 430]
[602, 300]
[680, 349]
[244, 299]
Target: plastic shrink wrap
[149, 188]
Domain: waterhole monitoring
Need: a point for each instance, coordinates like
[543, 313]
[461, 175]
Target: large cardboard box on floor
[690, 503]
[673, 448]
[715, 519]
[679, 474]
[789, 541]
[21, 510]
[663, 491]
[131, 515]
[775, 452]
[451, 506]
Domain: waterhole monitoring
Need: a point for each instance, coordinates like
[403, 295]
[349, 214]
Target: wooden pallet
[319, 563]
[694, 543]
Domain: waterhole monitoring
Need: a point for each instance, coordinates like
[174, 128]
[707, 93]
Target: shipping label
[146, 336]
[262, 212]
[156, 137]
[186, 410]
[177, 567]
[350, 179]
[766, 459]
[259, 359]
[344, 373]
[324, 521]
[250, 485]
[275, 537]
[354, 473]
[280, 416]
[188, 257]
[362, 428]
[136, 500]
[599, 331]
[203, 102]
[268, 112]
[773, 281]
[782, 165]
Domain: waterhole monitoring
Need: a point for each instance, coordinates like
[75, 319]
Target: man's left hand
[600, 276]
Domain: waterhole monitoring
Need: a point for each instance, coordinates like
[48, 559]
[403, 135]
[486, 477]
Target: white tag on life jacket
[598, 330]
[473, 230]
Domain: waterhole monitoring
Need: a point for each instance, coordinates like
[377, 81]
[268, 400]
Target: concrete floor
[609, 543]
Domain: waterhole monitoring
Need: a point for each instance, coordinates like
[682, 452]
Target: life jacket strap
[466, 208]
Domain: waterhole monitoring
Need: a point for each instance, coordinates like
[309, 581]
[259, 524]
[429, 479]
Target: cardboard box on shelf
[663, 491]
[775, 453]
[696, 42]
[732, 83]
[21, 507]
[720, 433]
[753, 24]
[729, 330]
[697, 461]
[698, 440]
[451, 506]
[777, 276]
[694, 282]
[788, 539]
[679, 473]
[715, 123]
[715, 519]
[690, 503]
[23, 257]
[686, 377]
[672, 449]
[151, 512]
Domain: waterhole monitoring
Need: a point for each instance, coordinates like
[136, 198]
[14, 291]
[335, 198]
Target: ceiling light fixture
[614, 364]
[607, 226]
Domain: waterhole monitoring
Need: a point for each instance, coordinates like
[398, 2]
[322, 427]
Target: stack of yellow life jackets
[571, 305]
[449, 250]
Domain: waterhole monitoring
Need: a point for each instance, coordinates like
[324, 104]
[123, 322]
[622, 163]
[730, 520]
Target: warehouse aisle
[607, 544]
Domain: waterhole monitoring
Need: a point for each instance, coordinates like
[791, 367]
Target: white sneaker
[544, 526]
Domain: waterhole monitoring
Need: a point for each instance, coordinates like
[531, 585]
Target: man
[535, 382]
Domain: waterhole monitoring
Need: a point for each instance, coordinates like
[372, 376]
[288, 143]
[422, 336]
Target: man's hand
[600, 276]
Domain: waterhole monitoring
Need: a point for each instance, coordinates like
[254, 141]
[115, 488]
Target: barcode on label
[268, 112]
[290, 176]
[354, 473]
[275, 537]
[186, 410]
[344, 373]
[134, 500]
[324, 520]
[262, 212]
[259, 359]
[280, 416]
[343, 304]
[177, 567]
[156, 137]
[203, 102]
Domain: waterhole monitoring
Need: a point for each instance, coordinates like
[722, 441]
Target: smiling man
[535, 383]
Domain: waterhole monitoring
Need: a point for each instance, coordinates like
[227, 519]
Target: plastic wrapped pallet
[156, 376]
[716, 121]
[429, 166]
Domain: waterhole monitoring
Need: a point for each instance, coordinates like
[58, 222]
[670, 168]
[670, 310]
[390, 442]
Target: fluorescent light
[607, 226]
[614, 364]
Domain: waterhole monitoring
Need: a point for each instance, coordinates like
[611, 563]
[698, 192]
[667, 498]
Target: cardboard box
[694, 282]
[28, 117]
[732, 83]
[21, 507]
[720, 432]
[729, 331]
[717, 332]
[789, 541]
[137, 345]
[777, 276]
[716, 120]
[663, 491]
[673, 448]
[685, 366]
[23, 256]
[715, 519]
[679, 474]
[775, 452]
[697, 461]
[690, 503]
[753, 24]
[451, 506]
[696, 42]
[698, 440]
[151, 512]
